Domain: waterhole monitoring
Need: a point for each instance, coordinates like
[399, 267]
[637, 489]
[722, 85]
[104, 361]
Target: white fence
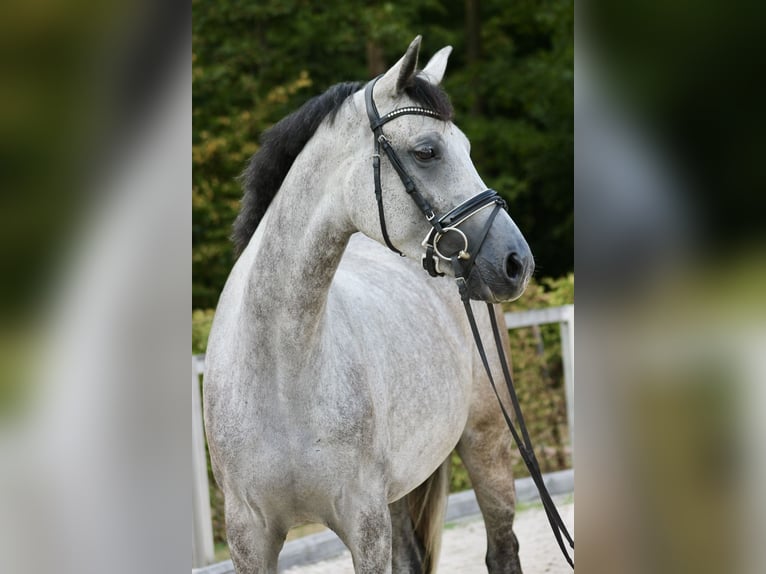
[202, 529]
[202, 525]
[564, 316]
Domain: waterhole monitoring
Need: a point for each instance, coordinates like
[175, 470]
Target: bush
[538, 376]
[202, 320]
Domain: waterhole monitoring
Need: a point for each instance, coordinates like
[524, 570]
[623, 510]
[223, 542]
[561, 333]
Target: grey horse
[339, 375]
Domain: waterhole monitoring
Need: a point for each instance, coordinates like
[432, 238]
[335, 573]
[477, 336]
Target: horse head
[432, 205]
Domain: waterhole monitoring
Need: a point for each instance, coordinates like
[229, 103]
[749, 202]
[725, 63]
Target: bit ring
[462, 254]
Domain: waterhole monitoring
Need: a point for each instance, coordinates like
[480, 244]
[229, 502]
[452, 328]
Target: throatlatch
[439, 245]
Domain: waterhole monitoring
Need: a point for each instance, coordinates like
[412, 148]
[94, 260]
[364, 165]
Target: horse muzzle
[501, 272]
[488, 255]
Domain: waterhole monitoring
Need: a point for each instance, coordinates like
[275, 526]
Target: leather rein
[462, 261]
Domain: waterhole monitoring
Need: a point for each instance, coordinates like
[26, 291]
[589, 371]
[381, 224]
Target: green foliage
[545, 292]
[254, 62]
[538, 376]
[459, 479]
[522, 135]
[202, 320]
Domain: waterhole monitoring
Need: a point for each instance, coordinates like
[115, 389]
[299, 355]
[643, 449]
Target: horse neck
[295, 252]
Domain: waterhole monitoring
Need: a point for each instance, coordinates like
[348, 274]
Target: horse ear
[396, 79]
[434, 70]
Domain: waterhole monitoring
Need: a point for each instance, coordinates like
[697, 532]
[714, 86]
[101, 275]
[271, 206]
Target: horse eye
[424, 153]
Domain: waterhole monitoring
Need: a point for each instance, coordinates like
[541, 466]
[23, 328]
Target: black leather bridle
[462, 259]
[443, 226]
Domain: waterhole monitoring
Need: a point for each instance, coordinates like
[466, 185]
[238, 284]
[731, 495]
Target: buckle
[462, 287]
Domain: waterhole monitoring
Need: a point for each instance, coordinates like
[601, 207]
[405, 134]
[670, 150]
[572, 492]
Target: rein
[520, 435]
[462, 260]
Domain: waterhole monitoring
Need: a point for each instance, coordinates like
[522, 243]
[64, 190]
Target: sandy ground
[464, 544]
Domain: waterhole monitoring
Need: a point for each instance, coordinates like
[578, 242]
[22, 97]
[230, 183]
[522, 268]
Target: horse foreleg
[487, 459]
[365, 529]
[254, 545]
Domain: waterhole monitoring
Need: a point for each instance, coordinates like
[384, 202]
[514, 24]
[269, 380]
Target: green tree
[523, 138]
[252, 64]
[510, 78]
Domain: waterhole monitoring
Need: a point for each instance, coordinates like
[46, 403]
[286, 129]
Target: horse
[339, 375]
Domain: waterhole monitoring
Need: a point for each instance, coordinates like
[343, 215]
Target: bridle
[445, 226]
[462, 258]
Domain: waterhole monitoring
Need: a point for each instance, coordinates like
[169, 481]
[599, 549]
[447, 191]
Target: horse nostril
[513, 266]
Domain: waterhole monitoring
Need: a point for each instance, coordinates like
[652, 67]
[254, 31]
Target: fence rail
[203, 551]
[564, 316]
[202, 529]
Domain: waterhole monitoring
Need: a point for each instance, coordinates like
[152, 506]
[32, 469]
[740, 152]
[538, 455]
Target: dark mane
[282, 143]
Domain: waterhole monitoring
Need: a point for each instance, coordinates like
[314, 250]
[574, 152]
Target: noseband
[463, 258]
